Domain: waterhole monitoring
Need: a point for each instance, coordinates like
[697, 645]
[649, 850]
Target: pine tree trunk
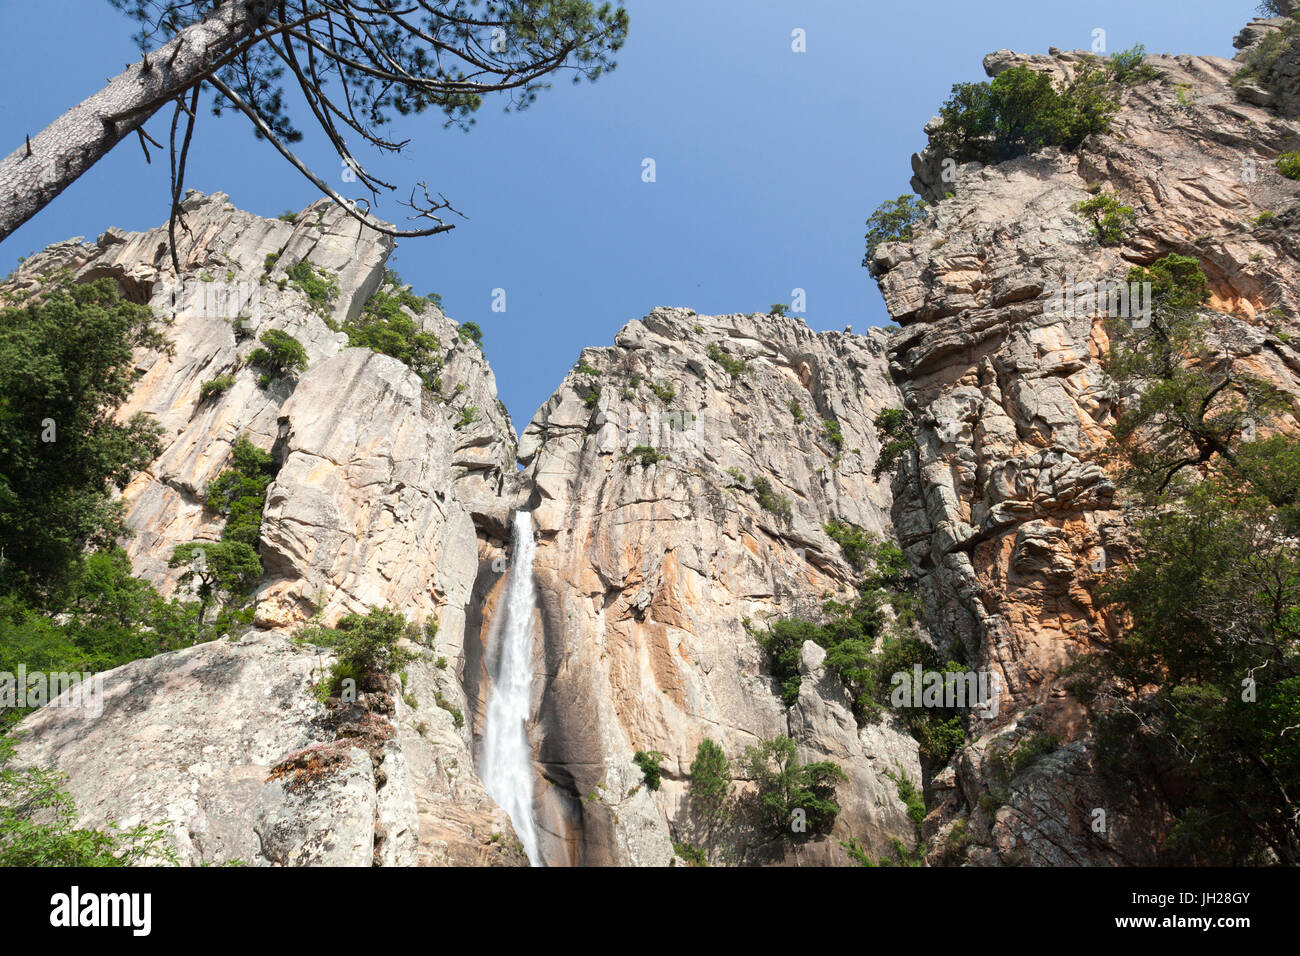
[33, 174]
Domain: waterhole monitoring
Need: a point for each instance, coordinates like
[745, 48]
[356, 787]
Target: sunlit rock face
[1007, 511]
[655, 551]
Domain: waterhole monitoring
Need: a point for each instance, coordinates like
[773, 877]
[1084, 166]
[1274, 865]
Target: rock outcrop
[1006, 511]
[656, 548]
[371, 507]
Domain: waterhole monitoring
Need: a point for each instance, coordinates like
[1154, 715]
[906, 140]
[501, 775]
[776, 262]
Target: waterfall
[507, 759]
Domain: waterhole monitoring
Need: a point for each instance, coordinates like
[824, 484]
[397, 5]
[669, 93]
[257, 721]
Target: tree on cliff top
[354, 64]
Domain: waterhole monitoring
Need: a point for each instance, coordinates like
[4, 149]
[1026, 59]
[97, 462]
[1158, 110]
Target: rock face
[679, 483]
[371, 506]
[1006, 511]
[649, 569]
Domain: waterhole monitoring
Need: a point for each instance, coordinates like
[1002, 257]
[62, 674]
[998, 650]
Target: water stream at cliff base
[507, 771]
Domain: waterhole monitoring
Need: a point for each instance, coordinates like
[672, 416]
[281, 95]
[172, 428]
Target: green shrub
[859, 546]
[592, 396]
[470, 332]
[783, 786]
[239, 491]
[1127, 67]
[457, 716]
[912, 798]
[1110, 220]
[778, 308]
[283, 354]
[1288, 164]
[319, 286]
[649, 762]
[215, 386]
[770, 500]
[468, 416]
[365, 644]
[894, 432]
[646, 455]
[796, 410]
[831, 432]
[664, 390]
[385, 326]
[1259, 63]
[892, 221]
[693, 855]
[1022, 111]
[710, 784]
[731, 365]
[583, 368]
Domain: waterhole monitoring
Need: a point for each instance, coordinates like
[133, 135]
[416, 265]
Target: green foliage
[282, 355]
[239, 491]
[664, 390]
[710, 784]
[831, 432]
[649, 762]
[66, 365]
[106, 617]
[470, 332]
[866, 643]
[230, 566]
[1288, 164]
[38, 825]
[288, 216]
[444, 60]
[216, 386]
[1191, 404]
[1259, 63]
[1205, 682]
[859, 546]
[592, 397]
[784, 786]
[894, 433]
[1110, 220]
[796, 410]
[387, 324]
[457, 717]
[692, 854]
[1022, 111]
[778, 308]
[366, 645]
[892, 221]
[733, 366]
[912, 798]
[646, 455]
[770, 500]
[583, 368]
[1127, 67]
[318, 285]
[468, 416]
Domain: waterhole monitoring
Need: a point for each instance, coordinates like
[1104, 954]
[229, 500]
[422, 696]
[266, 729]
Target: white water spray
[507, 759]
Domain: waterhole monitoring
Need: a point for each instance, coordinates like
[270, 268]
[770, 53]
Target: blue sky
[768, 161]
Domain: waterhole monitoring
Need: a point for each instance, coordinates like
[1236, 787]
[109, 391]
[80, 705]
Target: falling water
[507, 758]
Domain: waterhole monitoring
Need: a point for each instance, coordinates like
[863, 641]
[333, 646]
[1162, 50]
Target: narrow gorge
[588, 600]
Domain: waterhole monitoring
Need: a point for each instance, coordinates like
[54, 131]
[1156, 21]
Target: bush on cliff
[791, 799]
[1021, 111]
[892, 221]
[386, 326]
